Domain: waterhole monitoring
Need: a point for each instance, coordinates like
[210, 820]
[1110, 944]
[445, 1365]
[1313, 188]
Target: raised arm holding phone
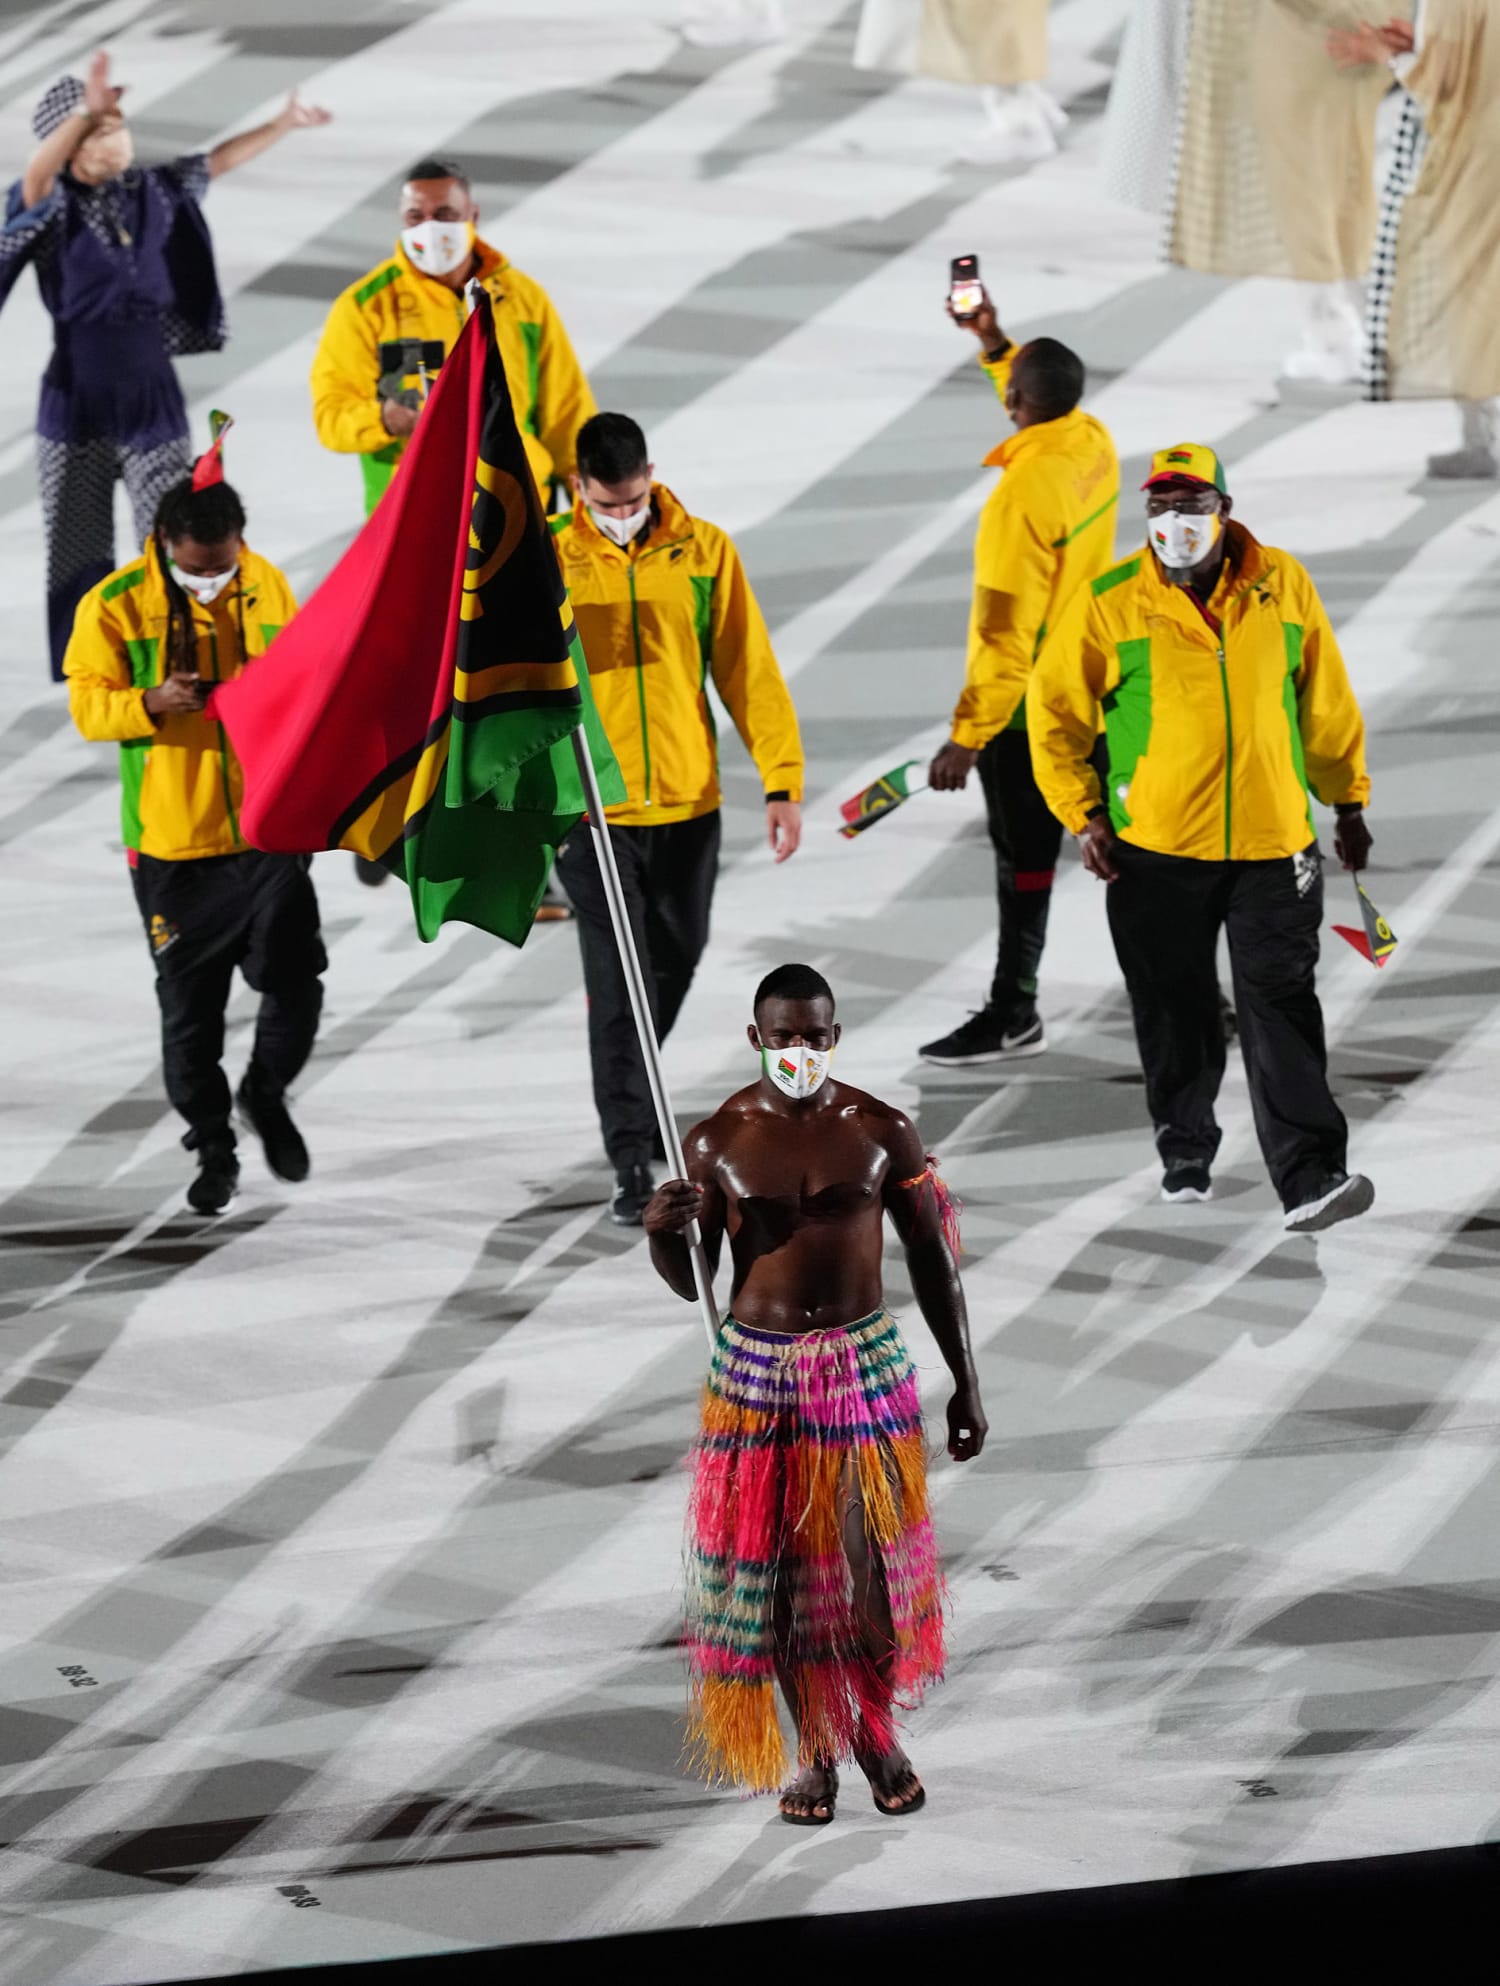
[1047, 527]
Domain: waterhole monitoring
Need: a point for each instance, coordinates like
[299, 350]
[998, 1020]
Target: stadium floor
[340, 1537]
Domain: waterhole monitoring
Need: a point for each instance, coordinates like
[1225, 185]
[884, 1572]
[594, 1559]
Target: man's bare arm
[677, 1203]
[912, 1201]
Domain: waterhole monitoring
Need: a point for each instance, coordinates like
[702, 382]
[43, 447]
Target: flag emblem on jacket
[420, 709]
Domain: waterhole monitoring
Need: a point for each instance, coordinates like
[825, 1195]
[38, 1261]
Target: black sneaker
[1186, 1179]
[372, 874]
[633, 1188]
[984, 1037]
[1341, 1196]
[213, 1191]
[271, 1121]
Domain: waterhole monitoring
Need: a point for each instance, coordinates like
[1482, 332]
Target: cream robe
[1275, 170]
[957, 41]
[1443, 333]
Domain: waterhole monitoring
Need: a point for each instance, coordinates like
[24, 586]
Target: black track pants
[668, 874]
[204, 917]
[1165, 913]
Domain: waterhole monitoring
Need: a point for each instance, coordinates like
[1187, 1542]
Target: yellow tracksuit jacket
[1048, 525]
[1215, 739]
[658, 620]
[396, 321]
[181, 784]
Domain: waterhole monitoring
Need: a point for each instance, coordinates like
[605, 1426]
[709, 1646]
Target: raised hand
[296, 115]
[984, 324]
[100, 96]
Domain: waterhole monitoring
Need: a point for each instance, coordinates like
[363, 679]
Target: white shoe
[1465, 465]
[1340, 1201]
[1328, 366]
[1332, 350]
[1022, 139]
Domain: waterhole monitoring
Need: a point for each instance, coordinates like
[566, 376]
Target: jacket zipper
[640, 679]
[234, 825]
[1228, 753]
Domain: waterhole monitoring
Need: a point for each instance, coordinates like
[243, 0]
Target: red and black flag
[420, 709]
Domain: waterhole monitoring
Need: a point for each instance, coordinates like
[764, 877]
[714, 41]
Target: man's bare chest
[801, 1176]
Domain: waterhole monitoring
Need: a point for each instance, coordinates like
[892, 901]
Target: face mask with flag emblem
[797, 1071]
[437, 248]
[1182, 537]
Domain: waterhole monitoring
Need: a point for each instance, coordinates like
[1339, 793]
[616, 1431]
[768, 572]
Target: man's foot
[373, 874]
[1340, 1198]
[1186, 1179]
[1465, 465]
[213, 1191]
[633, 1188]
[985, 1037]
[812, 1798]
[271, 1121]
[894, 1785]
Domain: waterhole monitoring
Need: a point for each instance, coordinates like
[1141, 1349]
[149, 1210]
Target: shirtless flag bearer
[810, 1550]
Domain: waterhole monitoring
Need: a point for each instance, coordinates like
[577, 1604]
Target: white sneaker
[1021, 140]
[1341, 1200]
[1332, 351]
[1465, 465]
[1326, 365]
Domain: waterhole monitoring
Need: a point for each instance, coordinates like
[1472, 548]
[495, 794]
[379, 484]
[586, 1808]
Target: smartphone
[965, 291]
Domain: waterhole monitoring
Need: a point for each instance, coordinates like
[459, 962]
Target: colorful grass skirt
[791, 1428]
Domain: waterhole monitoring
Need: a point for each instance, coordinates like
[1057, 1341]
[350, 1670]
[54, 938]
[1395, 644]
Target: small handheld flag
[881, 797]
[1377, 940]
[209, 467]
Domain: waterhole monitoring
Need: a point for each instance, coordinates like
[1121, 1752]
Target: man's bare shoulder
[710, 1136]
[887, 1125]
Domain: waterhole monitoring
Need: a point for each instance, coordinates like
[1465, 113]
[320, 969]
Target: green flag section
[1377, 940]
[881, 797]
[422, 708]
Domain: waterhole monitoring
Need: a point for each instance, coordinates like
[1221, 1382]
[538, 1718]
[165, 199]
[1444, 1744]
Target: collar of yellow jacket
[1039, 439]
[491, 262]
[672, 524]
[1247, 564]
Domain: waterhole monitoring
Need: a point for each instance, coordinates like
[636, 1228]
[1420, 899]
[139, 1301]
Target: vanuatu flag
[420, 709]
[882, 796]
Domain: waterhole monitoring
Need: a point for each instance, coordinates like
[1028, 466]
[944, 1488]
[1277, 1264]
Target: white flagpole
[640, 1007]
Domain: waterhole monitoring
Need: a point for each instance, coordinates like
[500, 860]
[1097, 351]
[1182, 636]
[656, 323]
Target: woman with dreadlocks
[126, 271]
[148, 645]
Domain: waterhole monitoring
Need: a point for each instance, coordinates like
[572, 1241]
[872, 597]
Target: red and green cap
[1188, 462]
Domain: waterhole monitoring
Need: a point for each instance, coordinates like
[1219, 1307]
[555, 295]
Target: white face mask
[797, 1071]
[439, 247]
[620, 530]
[204, 587]
[1182, 537]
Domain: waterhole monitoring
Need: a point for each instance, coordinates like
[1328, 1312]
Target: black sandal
[907, 1806]
[828, 1799]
